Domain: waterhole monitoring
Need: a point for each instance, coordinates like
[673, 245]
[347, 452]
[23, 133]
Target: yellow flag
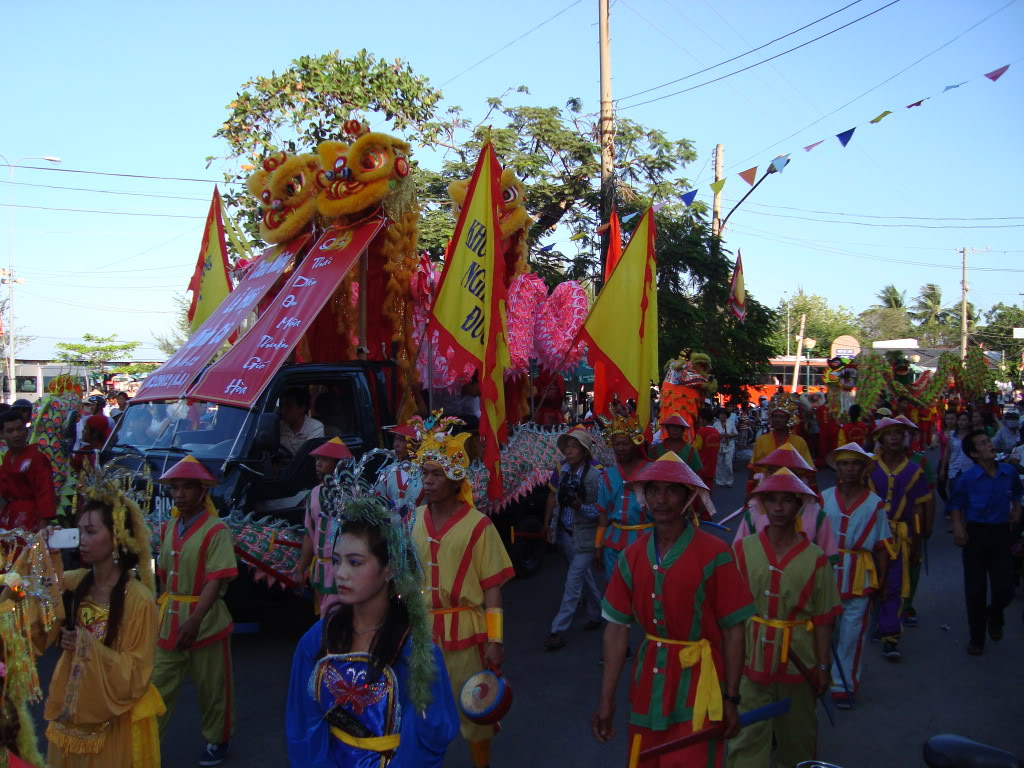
[210, 284]
[622, 328]
[469, 311]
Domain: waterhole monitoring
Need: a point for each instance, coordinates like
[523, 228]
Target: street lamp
[8, 277]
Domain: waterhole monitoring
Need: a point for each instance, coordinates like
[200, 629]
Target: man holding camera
[571, 519]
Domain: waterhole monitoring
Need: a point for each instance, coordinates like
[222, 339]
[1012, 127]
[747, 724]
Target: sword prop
[767, 712]
[842, 674]
[732, 515]
[711, 524]
[799, 664]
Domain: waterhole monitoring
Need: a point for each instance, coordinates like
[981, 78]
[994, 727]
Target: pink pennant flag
[995, 74]
[809, 147]
[749, 175]
[916, 103]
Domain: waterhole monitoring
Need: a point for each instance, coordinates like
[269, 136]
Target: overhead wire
[112, 213]
[121, 175]
[101, 191]
[901, 225]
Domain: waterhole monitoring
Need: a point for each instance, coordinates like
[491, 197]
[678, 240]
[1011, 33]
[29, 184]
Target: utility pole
[716, 211]
[799, 346]
[607, 133]
[963, 304]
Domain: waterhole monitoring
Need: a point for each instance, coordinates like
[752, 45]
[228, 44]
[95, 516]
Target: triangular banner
[951, 87]
[995, 74]
[916, 103]
[809, 147]
[658, 206]
[881, 117]
[631, 216]
[845, 136]
[614, 243]
[781, 162]
[737, 291]
[716, 186]
[210, 283]
[687, 198]
[749, 175]
[578, 236]
[546, 248]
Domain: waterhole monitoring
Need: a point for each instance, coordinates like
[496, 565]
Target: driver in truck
[297, 426]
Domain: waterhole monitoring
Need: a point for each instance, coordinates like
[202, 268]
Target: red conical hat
[784, 481]
[189, 468]
[886, 423]
[668, 469]
[786, 456]
[405, 430]
[848, 451]
[906, 422]
[333, 449]
[675, 420]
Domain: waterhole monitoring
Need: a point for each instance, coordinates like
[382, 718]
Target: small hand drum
[486, 698]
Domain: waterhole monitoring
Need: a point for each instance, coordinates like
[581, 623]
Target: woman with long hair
[368, 687]
[102, 707]
[954, 460]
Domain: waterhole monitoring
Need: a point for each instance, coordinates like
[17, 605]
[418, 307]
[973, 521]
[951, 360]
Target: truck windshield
[207, 430]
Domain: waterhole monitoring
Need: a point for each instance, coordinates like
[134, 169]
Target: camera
[569, 491]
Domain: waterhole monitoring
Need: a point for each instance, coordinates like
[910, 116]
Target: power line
[509, 44]
[121, 175]
[102, 191]
[872, 224]
[113, 213]
[751, 66]
[95, 308]
[877, 216]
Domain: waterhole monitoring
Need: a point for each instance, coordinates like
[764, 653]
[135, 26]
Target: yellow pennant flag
[738, 291]
[622, 328]
[210, 284]
[469, 311]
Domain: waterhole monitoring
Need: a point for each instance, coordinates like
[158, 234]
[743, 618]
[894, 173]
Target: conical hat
[848, 451]
[189, 468]
[906, 422]
[668, 469]
[675, 420]
[886, 423]
[786, 456]
[333, 449]
[784, 481]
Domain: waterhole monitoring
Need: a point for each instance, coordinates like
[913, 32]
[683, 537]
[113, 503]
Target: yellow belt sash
[900, 545]
[707, 705]
[640, 527]
[456, 609]
[787, 632]
[164, 601]
[864, 566]
[370, 743]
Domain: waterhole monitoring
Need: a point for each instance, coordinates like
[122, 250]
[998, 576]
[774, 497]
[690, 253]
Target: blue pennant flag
[689, 197]
[631, 216]
[845, 136]
[546, 248]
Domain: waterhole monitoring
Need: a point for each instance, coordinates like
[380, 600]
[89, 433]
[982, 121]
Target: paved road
[937, 687]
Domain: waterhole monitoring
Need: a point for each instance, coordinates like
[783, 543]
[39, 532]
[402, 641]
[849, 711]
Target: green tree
[930, 315]
[171, 340]
[825, 322]
[891, 297]
[880, 323]
[997, 334]
[95, 352]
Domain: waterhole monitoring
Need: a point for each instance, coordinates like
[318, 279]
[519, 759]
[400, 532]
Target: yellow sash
[787, 632]
[145, 734]
[456, 609]
[164, 601]
[370, 743]
[707, 705]
[641, 527]
[901, 546]
[864, 566]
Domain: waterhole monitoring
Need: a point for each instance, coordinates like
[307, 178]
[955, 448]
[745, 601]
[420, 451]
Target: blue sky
[139, 88]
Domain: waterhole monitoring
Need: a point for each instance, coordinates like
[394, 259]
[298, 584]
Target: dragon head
[287, 190]
[514, 217]
[360, 176]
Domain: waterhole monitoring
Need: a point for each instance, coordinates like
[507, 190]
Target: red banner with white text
[172, 379]
[240, 377]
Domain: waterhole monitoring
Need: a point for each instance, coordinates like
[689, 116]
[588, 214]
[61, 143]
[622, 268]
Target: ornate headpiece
[628, 426]
[438, 442]
[348, 497]
[108, 486]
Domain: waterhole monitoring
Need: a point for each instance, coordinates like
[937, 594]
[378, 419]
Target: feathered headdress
[348, 497]
[438, 442]
[622, 425]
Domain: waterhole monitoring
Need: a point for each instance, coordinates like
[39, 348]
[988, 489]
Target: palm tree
[890, 297]
[928, 309]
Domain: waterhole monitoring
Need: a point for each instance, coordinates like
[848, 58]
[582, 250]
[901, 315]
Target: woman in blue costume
[368, 687]
[623, 518]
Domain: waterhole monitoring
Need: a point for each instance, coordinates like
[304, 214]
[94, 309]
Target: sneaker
[213, 754]
[910, 620]
[841, 700]
[891, 649]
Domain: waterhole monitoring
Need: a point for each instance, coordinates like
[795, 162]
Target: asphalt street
[936, 688]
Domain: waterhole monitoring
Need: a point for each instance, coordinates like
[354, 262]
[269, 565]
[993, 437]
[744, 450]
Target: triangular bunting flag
[781, 162]
[689, 197]
[881, 117]
[995, 74]
[658, 206]
[546, 248]
[578, 236]
[716, 186]
[916, 103]
[631, 216]
[749, 175]
[602, 229]
[809, 147]
[951, 87]
[845, 136]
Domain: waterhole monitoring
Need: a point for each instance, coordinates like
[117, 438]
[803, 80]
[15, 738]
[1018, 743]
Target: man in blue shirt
[984, 504]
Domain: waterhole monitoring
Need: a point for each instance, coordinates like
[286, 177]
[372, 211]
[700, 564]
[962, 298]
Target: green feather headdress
[348, 497]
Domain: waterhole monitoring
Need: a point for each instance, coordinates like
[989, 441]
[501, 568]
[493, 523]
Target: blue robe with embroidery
[424, 739]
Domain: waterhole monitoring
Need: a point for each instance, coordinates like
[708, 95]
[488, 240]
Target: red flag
[614, 244]
[995, 74]
[737, 291]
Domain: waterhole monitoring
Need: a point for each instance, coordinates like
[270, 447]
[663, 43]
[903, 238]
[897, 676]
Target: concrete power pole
[607, 132]
[963, 305]
[716, 211]
[799, 349]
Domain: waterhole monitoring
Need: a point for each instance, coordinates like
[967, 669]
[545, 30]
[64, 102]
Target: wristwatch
[731, 699]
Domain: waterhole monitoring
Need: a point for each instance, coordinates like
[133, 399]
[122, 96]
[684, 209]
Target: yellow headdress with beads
[440, 443]
[623, 425]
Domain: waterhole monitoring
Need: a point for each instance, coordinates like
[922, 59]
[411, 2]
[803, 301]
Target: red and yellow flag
[614, 243]
[622, 328]
[738, 291]
[469, 311]
[210, 284]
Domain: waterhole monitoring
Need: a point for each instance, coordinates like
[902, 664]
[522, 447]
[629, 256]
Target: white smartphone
[64, 538]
